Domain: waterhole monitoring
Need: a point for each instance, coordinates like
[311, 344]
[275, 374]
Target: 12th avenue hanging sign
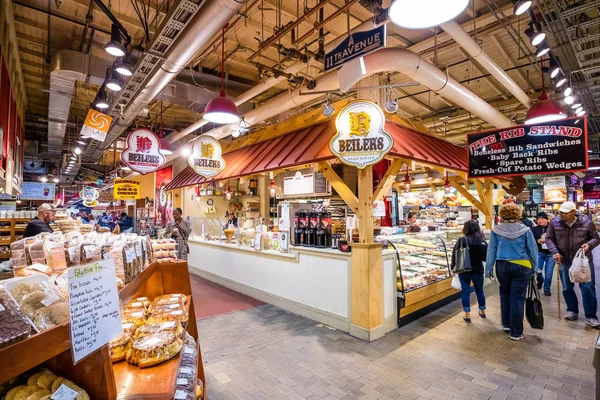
[546, 148]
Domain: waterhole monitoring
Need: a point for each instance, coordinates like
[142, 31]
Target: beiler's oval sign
[143, 152]
[361, 139]
[206, 158]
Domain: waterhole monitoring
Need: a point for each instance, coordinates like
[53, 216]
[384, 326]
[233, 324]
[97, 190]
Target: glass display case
[422, 258]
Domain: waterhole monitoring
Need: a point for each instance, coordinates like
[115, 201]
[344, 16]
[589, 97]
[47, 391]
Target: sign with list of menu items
[94, 307]
[38, 191]
[551, 147]
[555, 189]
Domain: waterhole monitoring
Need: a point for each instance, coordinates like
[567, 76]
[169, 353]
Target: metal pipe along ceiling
[384, 60]
[466, 42]
[207, 22]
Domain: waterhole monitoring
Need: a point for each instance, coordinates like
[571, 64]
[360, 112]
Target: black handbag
[462, 257]
[533, 307]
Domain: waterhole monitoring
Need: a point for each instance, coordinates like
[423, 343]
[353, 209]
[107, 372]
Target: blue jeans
[465, 282]
[546, 265]
[513, 279]
[588, 292]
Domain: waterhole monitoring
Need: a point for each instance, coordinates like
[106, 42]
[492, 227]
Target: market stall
[353, 285]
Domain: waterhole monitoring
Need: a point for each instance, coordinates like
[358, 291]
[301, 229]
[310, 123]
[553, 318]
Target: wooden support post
[339, 186]
[388, 180]
[367, 267]
[455, 182]
[489, 200]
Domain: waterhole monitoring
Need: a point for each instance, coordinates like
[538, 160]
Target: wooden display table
[96, 373]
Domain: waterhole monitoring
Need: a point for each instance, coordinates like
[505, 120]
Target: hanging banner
[96, 125]
[142, 153]
[206, 158]
[552, 147]
[555, 189]
[361, 140]
[127, 189]
[356, 45]
[90, 196]
[163, 202]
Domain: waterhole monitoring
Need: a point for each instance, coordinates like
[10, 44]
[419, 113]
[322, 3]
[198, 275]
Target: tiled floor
[267, 353]
[213, 299]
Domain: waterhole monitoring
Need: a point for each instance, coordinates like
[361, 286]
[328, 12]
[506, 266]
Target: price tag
[180, 395]
[171, 306]
[136, 304]
[182, 381]
[188, 350]
[64, 393]
[144, 245]
[185, 370]
[152, 342]
[130, 255]
[138, 250]
[50, 299]
[39, 267]
[168, 325]
[94, 307]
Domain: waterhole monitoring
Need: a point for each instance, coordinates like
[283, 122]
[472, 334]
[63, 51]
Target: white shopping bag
[580, 269]
[456, 282]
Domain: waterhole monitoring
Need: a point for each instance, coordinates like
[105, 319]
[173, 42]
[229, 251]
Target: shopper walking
[545, 265]
[477, 245]
[179, 229]
[514, 252]
[565, 236]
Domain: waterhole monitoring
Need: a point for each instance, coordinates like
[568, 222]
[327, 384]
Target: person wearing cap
[545, 263]
[41, 223]
[565, 236]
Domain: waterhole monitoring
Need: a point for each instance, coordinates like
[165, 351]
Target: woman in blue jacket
[514, 251]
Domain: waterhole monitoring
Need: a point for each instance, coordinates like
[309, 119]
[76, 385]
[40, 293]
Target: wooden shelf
[96, 373]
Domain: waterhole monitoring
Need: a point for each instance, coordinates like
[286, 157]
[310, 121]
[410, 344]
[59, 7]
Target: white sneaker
[505, 329]
[571, 316]
[517, 338]
[593, 322]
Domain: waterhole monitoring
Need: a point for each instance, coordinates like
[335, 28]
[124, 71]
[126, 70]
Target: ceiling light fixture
[272, 188]
[165, 147]
[328, 109]
[561, 81]
[535, 33]
[544, 110]
[115, 46]
[186, 151]
[228, 192]
[421, 14]
[554, 68]
[81, 142]
[576, 106]
[581, 113]
[542, 49]
[44, 179]
[56, 180]
[447, 185]
[220, 109]
[73, 158]
[578, 110]
[101, 101]
[520, 6]
[114, 82]
[406, 181]
[77, 150]
[123, 68]
[569, 100]
[568, 91]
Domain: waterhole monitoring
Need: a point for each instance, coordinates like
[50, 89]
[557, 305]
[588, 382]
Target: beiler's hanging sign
[545, 148]
[360, 139]
[206, 158]
[142, 153]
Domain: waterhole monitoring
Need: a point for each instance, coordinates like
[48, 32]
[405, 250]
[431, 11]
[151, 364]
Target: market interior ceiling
[48, 28]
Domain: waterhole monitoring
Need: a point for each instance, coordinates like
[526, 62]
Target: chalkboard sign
[94, 307]
[320, 183]
[552, 147]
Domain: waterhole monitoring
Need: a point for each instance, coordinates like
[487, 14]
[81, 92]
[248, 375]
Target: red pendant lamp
[221, 110]
[544, 110]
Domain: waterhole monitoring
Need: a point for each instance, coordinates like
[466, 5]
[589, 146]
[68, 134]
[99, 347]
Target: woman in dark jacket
[477, 253]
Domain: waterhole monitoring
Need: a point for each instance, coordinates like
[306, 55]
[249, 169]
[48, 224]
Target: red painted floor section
[211, 299]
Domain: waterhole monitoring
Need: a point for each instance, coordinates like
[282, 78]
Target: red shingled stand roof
[311, 144]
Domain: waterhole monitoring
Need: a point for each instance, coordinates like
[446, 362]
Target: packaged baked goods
[170, 298]
[14, 326]
[171, 326]
[159, 319]
[90, 252]
[137, 318]
[36, 269]
[19, 259]
[119, 347]
[149, 350]
[51, 316]
[35, 253]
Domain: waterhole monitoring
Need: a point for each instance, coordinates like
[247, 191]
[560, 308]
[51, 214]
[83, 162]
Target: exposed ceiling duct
[207, 22]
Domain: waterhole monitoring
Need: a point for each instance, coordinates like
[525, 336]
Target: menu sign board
[38, 191]
[207, 157]
[127, 189]
[142, 153]
[552, 147]
[555, 189]
[360, 140]
[94, 307]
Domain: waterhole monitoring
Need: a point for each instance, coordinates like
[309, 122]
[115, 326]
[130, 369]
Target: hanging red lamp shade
[221, 110]
[544, 110]
[165, 147]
